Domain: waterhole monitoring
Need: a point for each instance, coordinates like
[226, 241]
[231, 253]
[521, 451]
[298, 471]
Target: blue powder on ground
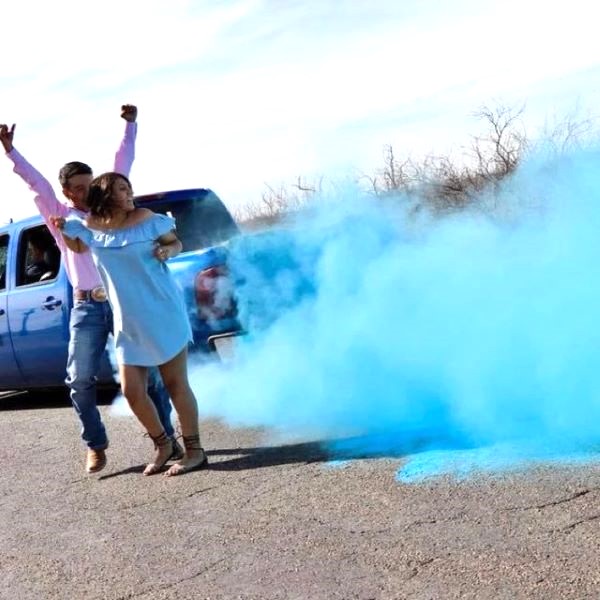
[498, 459]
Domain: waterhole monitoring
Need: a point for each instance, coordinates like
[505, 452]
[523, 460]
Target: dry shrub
[438, 183]
[276, 202]
[443, 184]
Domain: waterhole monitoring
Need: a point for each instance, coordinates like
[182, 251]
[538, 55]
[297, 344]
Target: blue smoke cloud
[388, 332]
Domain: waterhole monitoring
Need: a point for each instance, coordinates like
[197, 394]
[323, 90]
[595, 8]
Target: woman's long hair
[99, 199]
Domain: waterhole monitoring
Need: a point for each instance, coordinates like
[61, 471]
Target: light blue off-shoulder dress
[151, 325]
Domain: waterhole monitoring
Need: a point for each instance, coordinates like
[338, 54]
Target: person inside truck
[38, 266]
[91, 320]
[130, 246]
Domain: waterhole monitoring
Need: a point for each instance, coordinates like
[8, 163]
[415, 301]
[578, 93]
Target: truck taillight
[214, 293]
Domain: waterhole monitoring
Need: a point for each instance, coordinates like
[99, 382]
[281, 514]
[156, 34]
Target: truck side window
[3, 260]
[39, 257]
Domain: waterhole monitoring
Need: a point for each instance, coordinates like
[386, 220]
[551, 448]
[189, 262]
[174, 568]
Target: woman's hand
[74, 244]
[167, 246]
[163, 253]
[58, 222]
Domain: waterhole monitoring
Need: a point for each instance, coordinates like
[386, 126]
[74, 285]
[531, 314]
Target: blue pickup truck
[35, 302]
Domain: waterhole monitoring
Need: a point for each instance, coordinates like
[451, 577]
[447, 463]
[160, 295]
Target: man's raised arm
[45, 198]
[126, 153]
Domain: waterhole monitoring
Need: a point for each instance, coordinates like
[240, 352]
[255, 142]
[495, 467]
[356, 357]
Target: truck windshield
[202, 219]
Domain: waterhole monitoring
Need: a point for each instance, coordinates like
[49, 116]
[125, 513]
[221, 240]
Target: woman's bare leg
[175, 378]
[134, 386]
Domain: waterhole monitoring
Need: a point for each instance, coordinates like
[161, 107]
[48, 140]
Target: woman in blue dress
[130, 246]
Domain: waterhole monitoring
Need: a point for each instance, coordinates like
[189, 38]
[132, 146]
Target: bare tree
[277, 201]
[500, 150]
[394, 176]
[570, 132]
[444, 184]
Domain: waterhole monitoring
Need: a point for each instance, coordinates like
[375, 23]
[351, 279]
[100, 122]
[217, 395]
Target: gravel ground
[271, 522]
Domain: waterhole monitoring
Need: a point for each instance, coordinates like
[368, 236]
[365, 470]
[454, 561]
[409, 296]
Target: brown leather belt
[98, 294]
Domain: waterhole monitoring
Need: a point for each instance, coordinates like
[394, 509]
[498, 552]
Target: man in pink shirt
[91, 317]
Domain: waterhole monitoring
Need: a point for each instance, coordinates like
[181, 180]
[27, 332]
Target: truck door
[10, 375]
[38, 308]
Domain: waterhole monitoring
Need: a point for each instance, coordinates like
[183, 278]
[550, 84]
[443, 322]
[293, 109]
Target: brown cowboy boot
[95, 460]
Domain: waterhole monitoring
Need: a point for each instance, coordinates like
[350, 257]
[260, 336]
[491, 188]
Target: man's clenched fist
[129, 112]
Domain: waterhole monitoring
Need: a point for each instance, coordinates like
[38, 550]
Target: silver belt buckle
[98, 294]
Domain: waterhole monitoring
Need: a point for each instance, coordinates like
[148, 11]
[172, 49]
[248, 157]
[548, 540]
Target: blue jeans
[90, 324]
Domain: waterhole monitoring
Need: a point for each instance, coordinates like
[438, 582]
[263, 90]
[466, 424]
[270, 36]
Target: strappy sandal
[161, 441]
[191, 443]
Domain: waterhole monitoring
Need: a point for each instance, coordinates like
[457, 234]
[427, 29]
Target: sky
[235, 95]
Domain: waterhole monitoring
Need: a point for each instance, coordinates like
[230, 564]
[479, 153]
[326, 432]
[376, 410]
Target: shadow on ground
[253, 458]
[392, 445]
[268, 456]
[260, 457]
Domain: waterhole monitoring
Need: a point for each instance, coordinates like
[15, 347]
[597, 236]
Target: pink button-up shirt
[81, 271]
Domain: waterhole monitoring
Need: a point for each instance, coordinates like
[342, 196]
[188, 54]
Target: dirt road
[266, 522]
